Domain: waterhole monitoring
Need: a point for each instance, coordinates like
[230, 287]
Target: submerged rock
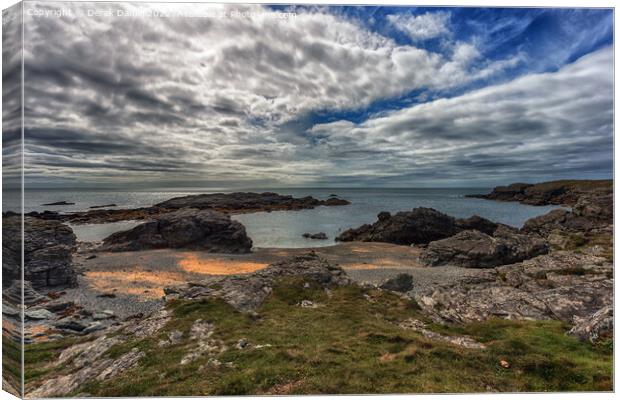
[316, 236]
[104, 205]
[479, 250]
[59, 203]
[247, 292]
[187, 228]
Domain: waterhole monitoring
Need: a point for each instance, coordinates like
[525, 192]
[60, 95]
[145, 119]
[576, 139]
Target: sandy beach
[133, 282]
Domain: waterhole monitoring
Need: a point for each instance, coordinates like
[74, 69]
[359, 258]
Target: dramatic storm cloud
[254, 96]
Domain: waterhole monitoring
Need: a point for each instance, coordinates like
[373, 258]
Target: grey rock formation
[13, 294]
[186, 228]
[420, 327]
[557, 221]
[567, 192]
[597, 326]
[561, 285]
[47, 252]
[421, 225]
[247, 292]
[478, 223]
[418, 226]
[478, 250]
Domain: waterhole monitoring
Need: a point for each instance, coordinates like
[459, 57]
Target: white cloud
[422, 27]
[556, 123]
[210, 99]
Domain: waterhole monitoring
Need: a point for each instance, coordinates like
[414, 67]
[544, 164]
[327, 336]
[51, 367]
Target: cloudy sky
[344, 96]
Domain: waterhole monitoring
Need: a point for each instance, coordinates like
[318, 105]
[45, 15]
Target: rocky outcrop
[90, 362]
[460, 341]
[228, 203]
[476, 249]
[566, 192]
[419, 226]
[188, 228]
[47, 252]
[589, 222]
[561, 285]
[13, 294]
[247, 202]
[557, 220]
[247, 292]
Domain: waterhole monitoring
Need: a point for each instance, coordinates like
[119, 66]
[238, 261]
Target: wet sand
[133, 282]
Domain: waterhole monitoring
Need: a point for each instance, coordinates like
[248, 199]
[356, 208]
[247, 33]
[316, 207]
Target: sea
[284, 229]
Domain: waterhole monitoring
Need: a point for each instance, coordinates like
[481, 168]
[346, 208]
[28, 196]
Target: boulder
[400, 283]
[419, 226]
[247, 292]
[48, 247]
[478, 250]
[187, 228]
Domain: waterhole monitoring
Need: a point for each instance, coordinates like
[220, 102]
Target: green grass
[11, 361]
[38, 356]
[352, 345]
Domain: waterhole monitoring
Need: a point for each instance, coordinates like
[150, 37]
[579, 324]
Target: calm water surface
[285, 228]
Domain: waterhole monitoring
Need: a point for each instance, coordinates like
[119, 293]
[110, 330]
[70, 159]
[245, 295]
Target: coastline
[452, 271]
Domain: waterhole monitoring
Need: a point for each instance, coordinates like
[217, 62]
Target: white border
[462, 3]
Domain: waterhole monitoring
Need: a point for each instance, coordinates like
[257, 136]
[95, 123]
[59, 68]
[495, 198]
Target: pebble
[308, 304]
[242, 344]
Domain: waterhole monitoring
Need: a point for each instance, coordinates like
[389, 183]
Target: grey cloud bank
[113, 101]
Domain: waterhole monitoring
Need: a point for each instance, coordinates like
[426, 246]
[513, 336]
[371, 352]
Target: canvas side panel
[12, 219]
